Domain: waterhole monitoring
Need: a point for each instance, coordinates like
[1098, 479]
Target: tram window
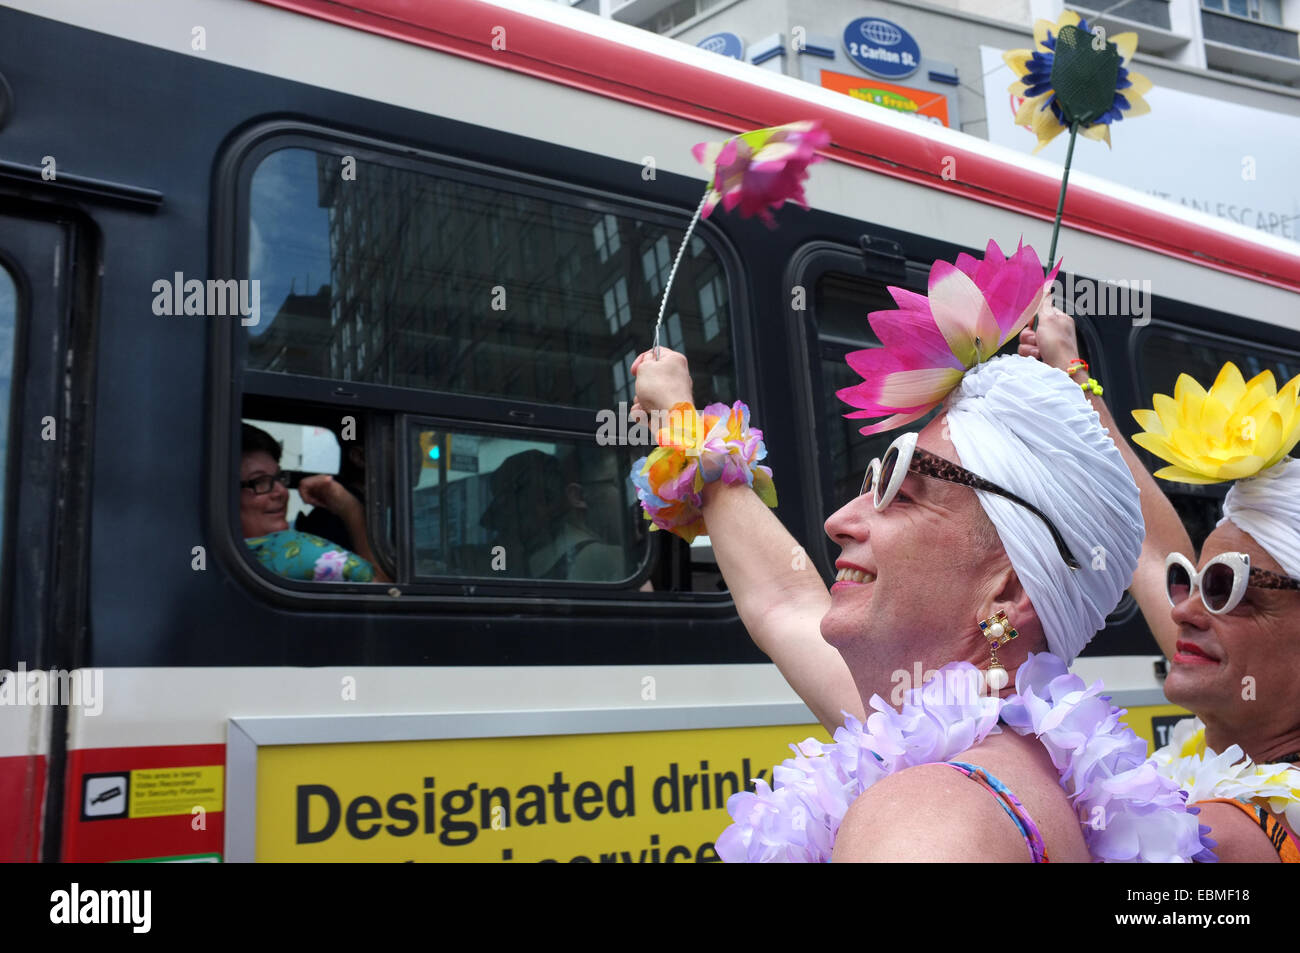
[8, 329]
[1166, 355]
[483, 505]
[450, 292]
[403, 259]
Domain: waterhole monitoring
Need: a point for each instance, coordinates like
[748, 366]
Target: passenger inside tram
[538, 512]
[263, 508]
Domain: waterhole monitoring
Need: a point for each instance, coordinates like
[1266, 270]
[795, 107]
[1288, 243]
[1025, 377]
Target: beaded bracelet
[1079, 364]
[694, 449]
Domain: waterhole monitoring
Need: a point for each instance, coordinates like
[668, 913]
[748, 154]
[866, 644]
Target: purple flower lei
[1126, 809]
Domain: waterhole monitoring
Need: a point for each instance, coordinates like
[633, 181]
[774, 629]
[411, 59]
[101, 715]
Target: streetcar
[419, 246]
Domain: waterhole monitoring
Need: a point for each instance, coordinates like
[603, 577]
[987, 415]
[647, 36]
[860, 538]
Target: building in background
[1224, 131]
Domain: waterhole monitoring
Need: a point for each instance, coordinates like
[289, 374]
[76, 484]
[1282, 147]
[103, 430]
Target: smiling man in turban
[1000, 536]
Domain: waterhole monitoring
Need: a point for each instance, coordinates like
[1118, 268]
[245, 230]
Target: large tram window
[412, 279]
[499, 318]
[484, 505]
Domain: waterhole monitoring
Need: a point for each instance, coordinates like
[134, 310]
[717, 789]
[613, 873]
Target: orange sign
[918, 102]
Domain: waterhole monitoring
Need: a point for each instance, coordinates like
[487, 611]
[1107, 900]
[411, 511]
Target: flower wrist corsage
[694, 449]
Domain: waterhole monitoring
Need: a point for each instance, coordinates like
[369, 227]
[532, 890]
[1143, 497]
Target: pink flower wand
[758, 171]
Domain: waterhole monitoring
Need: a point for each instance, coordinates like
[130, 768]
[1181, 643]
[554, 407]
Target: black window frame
[387, 406]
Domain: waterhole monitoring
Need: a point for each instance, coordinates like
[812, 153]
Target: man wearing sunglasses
[1231, 628]
[987, 510]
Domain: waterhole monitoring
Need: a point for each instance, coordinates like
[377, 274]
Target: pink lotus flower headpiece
[973, 308]
[763, 169]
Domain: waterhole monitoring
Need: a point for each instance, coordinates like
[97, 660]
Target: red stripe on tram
[22, 789]
[598, 65]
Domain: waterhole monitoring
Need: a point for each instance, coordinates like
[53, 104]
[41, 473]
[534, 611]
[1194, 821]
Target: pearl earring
[999, 631]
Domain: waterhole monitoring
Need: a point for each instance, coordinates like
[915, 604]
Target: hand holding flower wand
[757, 171]
[1072, 80]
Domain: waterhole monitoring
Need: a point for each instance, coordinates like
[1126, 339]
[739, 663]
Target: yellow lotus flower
[1235, 430]
[1042, 112]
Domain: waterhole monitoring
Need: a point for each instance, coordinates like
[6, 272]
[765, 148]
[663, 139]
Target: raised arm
[1055, 343]
[324, 490]
[778, 593]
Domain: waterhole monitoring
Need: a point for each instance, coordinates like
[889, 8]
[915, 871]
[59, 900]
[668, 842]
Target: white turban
[1268, 508]
[1028, 428]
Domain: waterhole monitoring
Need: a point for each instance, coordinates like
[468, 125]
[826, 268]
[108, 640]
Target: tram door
[36, 297]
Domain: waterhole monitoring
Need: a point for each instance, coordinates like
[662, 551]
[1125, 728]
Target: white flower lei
[1204, 774]
[1128, 811]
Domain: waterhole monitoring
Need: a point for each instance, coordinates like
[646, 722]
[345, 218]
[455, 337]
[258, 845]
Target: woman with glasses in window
[1230, 623]
[263, 511]
[994, 540]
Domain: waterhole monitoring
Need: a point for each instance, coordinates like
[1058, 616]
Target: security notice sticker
[627, 797]
[157, 792]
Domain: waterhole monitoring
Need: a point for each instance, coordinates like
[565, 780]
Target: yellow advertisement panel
[628, 797]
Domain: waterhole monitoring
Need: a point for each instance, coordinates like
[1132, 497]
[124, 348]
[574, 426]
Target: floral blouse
[298, 555]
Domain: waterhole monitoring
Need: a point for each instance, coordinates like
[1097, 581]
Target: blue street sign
[727, 44]
[882, 48]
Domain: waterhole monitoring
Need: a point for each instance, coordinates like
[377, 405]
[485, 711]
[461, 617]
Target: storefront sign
[924, 104]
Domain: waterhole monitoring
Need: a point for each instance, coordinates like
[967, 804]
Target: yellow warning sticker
[158, 792]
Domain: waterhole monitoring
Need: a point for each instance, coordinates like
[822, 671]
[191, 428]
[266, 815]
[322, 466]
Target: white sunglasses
[885, 476]
[1223, 582]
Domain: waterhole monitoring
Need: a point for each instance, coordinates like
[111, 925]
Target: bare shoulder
[1025, 767]
[931, 813]
[1237, 836]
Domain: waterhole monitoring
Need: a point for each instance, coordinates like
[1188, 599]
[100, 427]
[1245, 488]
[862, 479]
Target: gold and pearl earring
[999, 631]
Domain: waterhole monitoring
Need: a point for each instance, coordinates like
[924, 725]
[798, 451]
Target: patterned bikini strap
[1011, 804]
[1287, 846]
